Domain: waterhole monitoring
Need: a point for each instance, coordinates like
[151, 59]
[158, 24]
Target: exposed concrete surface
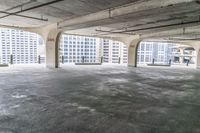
[173, 20]
[99, 99]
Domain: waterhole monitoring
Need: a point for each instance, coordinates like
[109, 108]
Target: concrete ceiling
[167, 19]
[55, 12]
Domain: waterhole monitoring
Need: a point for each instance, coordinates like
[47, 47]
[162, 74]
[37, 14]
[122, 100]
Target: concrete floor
[99, 99]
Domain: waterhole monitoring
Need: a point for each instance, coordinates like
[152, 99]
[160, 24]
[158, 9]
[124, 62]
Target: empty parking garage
[88, 95]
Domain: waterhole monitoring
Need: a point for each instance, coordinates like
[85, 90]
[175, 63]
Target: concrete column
[198, 59]
[132, 53]
[132, 56]
[181, 58]
[52, 48]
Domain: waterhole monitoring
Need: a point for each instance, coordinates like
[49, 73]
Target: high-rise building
[76, 49]
[21, 45]
[91, 50]
[159, 51]
[113, 51]
[25, 48]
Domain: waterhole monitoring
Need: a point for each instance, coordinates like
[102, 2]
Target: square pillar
[198, 58]
[132, 53]
[132, 56]
[52, 49]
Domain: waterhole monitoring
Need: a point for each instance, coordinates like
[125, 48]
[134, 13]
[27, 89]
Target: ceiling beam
[20, 5]
[165, 27]
[111, 15]
[112, 32]
[24, 16]
[31, 8]
[173, 32]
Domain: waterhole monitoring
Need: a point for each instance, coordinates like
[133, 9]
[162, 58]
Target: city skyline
[74, 48]
[25, 47]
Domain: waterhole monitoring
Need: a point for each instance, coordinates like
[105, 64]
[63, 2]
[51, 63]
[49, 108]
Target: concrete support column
[181, 59]
[198, 58]
[132, 53]
[52, 48]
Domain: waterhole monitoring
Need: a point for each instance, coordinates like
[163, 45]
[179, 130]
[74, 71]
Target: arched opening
[21, 47]
[157, 53]
[91, 50]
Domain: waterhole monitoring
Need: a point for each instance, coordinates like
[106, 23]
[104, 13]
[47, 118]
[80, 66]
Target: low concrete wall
[167, 65]
[3, 65]
[88, 63]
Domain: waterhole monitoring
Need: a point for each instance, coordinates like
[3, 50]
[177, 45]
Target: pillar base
[131, 65]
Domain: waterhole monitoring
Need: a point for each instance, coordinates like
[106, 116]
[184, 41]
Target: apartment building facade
[76, 49]
[113, 51]
[22, 46]
[160, 52]
[181, 54]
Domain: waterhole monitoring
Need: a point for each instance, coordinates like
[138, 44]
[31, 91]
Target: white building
[76, 49]
[24, 48]
[113, 51]
[182, 53]
[159, 51]
[21, 45]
